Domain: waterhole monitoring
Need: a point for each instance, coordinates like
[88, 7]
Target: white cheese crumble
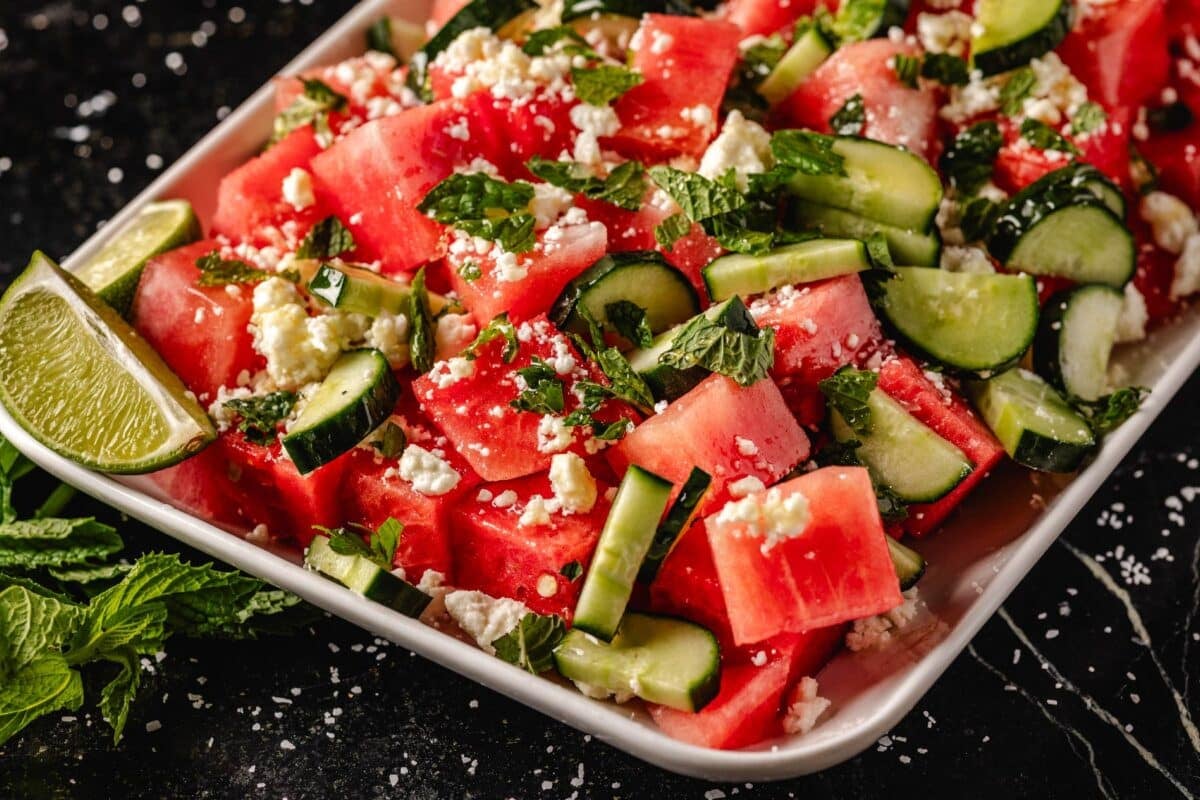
[481, 60]
[746, 486]
[505, 499]
[454, 332]
[553, 434]
[1131, 324]
[742, 145]
[449, 372]
[1171, 218]
[944, 33]
[877, 631]
[537, 512]
[299, 349]
[389, 335]
[429, 473]
[298, 189]
[769, 516]
[805, 707]
[483, 617]
[592, 122]
[1187, 269]
[600, 693]
[957, 258]
[548, 204]
[746, 447]
[574, 487]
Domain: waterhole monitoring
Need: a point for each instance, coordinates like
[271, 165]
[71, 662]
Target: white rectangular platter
[975, 562]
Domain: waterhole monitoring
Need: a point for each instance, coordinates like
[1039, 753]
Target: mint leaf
[470, 271]
[600, 85]
[977, 218]
[43, 686]
[544, 391]
[698, 197]
[1018, 87]
[1088, 117]
[390, 440]
[259, 417]
[31, 624]
[327, 239]
[499, 327]
[671, 230]
[379, 36]
[217, 271]
[907, 68]
[624, 187]
[530, 645]
[850, 119]
[878, 252]
[891, 507]
[347, 542]
[731, 345]
[1042, 136]
[1110, 412]
[385, 540]
[969, 160]
[547, 39]
[268, 611]
[422, 342]
[630, 321]
[855, 21]
[806, 153]
[848, 391]
[89, 574]
[945, 68]
[312, 107]
[572, 571]
[54, 542]
[117, 695]
[483, 206]
[141, 626]
[625, 383]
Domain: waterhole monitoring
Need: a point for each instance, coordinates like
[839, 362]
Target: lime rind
[81, 381]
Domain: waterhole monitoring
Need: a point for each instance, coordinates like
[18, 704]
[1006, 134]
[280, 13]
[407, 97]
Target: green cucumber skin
[1047, 353]
[1048, 455]
[1020, 218]
[909, 248]
[366, 578]
[910, 565]
[681, 513]
[1021, 52]
[634, 9]
[312, 447]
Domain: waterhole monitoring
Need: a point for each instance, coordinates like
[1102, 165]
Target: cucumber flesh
[362, 575]
[1036, 425]
[355, 398]
[969, 322]
[643, 278]
[1010, 33]
[660, 659]
[1075, 339]
[904, 454]
[679, 518]
[357, 290]
[884, 183]
[907, 247]
[807, 53]
[1084, 242]
[814, 260]
[628, 531]
[909, 564]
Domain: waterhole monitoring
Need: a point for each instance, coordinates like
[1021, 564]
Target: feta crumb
[428, 473]
[553, 434]
[1171, 218]
[298, 189]
[592, 122]
[944, 33]
[600, 693]
[746, 486]
[299, 349]
[505, 499]
[484, 617]
[959, 258]
[548, 204]
[769, 516]
[389, 335]
[447, 373]
[1187, 269]
[805, 707]
[454, 332]
[574, 487]
[537, 512]
[1131, 324]
[746, 446]
[742, 145]
[877, 631]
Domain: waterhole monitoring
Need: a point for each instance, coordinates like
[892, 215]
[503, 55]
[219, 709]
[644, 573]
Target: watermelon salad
[641, 342]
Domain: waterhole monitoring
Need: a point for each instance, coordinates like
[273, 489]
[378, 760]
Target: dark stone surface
[334, 714]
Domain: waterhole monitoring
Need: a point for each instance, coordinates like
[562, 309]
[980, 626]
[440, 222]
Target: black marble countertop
[1077, 688]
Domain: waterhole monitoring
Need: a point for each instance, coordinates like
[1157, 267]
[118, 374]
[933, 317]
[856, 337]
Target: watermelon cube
[201, 332]
[765, 17]
[687, 586]
[203, 486]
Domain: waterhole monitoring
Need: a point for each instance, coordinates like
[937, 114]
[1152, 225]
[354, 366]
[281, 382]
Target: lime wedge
[113, 272]
[83, 383]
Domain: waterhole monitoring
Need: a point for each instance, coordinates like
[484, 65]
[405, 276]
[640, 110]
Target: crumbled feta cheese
[574, 487]
[537, 512]
[700, 115]
[553, 434]
[548, 204]
[600, 693]
[433, 583]
[805, 707]
[1171, 218]
[1187, 269]
[742, 145]
[299, 349]
[454, 332]
[507, 268]
[449, 372]
[481, 60]
[222, 417]
[746, 447]
[460, 130]
[1131, 324]
[770, 516]
[746, 486]
[429, 473]
[484, 496]
[389, 335]
[592, 122]
[661, 406]
[944, 33]
[1057, 95]
[505, 499]
[877, 631]
[956, 258]
[298, 189]
[978, 96]
[484, 617]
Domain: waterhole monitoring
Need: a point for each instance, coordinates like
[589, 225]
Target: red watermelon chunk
[686, 586]
[498, 441]
[686, 63]
[952, 419]
[1176, 156]
[199, 331]
[765, 17]
[508, 559]
[1119, 51]
[1153, 278]
[202, 486]
[837, 570]
[894, 113]
[727, 430]
[250, 198]
[562, 253]
[1019, 164]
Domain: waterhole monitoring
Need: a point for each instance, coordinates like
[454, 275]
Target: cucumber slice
[807, 53]
[364, 576]
[884, 183]
[678, 519]
[967, 321]
[814, 260]
[1010, 33]
[909, 564]
[669, 383]
[641, 277]
[660, 659]
[1065, 182]
[907, 247]
[631, 9]
[1036, 425]
[859, 20]
[360, 291]
[355, 398]
[904, 454]
[1075, 339]
[491, 14]
[630, 527]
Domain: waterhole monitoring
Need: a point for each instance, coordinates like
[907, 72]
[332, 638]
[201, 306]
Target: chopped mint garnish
[1018, 87]
[327, 239]
[946, 69]
[848, 390]
[1088, 117]
[564, 37]
[1111, 411]
[379, 36]
[260, 416]
[850, 118]
[390, 440]
[499, 327]
[970, 159]
[217, 271]
[530, 645]
[731, 345]
[572, 571]
[978, 218]
[470, 271]
[379, 548]
[1042, 136]
[698, 197]
[600, 85]
[487, 207]
[630, 321]
[671, 230]
[543, 393]
[421, 340]
[312, 107]
[907, 68]
[624, 187]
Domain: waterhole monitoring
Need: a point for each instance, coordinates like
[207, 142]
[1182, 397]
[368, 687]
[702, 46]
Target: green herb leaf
[498, 328]
[41, 687]
[327, 239]
[848, 390]
[261, 416]
[1014, 92]
[1171, 117]
[630, 321]
[731, 345]
[487, 207]
[600, 85]
[1042, 136]
[625, 383]
[1110, 412]
[347, 542]
[379, 36]
[946, 69]
[117, 695]
[671, 230]
[624, 187]
[530, 645]
[850, 119]
[31, 624]
[267, 612]
[610, 431]
[390, 440]
[878, 252]
[312, 107]
[855, 21]
[1088, 117]
[907, 68]
[53, 542]
[572, 571]
[840, 454]
[891, 507]
[217, 271]
[422, 342]
[470, 271]
[544, 391]
[969, 160]
[698, 197]
[807, 152]
[978, 218]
